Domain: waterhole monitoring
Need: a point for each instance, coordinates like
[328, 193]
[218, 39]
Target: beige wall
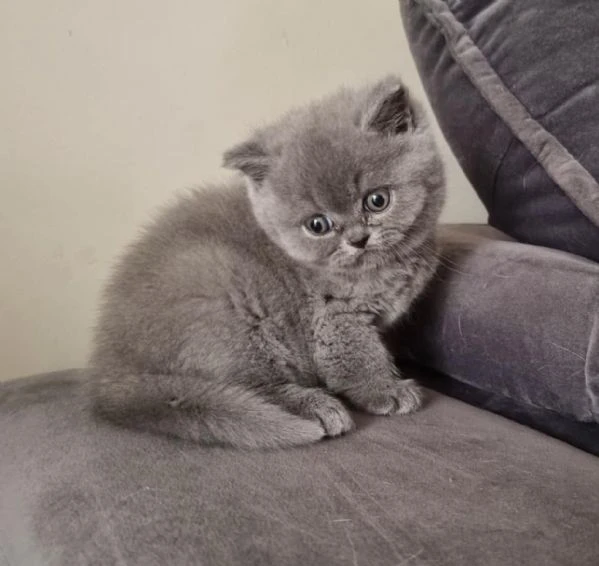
[108, 106]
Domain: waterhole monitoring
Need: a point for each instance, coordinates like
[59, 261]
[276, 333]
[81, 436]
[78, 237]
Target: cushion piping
[559, 164]
[591, 368]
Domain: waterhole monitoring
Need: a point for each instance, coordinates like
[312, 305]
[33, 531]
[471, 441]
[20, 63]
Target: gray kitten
[243, 312]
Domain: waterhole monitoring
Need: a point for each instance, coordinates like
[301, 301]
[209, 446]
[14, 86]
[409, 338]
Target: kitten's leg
[312, 403]
[353, 362]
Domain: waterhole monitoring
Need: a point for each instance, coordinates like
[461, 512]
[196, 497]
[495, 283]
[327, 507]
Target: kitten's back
[183, 283]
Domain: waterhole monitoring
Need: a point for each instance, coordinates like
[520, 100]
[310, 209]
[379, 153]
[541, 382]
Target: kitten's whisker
[445, 260]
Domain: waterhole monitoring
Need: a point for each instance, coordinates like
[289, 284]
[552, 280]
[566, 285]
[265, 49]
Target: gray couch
[451, 485]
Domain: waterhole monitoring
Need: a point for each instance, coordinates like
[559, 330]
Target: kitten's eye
[319, 224]
[377, 200]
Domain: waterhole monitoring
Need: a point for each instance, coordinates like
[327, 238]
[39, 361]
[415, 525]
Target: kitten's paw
[316, 404]
[402, 396]
[334, 418]
[332, 414]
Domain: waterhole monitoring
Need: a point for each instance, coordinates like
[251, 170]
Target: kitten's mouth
[361, 257]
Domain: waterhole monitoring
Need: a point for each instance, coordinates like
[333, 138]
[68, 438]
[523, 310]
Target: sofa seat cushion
[450, 485]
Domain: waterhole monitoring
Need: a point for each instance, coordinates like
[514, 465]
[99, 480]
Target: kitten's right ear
[250, 158]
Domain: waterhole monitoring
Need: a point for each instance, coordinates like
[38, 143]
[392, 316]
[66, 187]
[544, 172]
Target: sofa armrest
[510, 318]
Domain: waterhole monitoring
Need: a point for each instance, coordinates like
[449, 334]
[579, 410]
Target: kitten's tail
[197, 410]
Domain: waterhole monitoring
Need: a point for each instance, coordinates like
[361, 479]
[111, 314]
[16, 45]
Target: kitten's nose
[359, 242]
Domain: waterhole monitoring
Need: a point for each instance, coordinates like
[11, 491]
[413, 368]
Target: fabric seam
[592, 388]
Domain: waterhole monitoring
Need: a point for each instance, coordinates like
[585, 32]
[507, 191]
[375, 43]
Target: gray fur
[227, 322]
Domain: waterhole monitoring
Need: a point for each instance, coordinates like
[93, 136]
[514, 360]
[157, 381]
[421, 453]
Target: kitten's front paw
[331, 413]
[335, 420]
[400, 396]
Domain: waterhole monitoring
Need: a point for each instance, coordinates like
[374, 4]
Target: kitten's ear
[250, 158]
[388, 109]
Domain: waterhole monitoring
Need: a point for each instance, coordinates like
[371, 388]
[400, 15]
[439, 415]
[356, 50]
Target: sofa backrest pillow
[515, 88]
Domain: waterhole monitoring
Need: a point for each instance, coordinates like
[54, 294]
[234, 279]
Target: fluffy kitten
[243, 312]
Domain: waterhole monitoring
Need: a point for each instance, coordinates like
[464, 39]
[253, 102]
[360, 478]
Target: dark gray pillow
[515, 87]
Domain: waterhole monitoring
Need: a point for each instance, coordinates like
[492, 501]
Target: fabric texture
[520, 78]
[583, 435]
[512, 319]
[450, 485]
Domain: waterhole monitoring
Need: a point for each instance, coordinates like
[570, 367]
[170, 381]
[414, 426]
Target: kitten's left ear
[388, 110]
[250, 158]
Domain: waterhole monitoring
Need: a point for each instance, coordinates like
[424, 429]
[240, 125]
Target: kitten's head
[352, 180]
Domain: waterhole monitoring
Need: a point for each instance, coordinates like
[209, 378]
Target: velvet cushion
[515, 88]
[511, 319]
